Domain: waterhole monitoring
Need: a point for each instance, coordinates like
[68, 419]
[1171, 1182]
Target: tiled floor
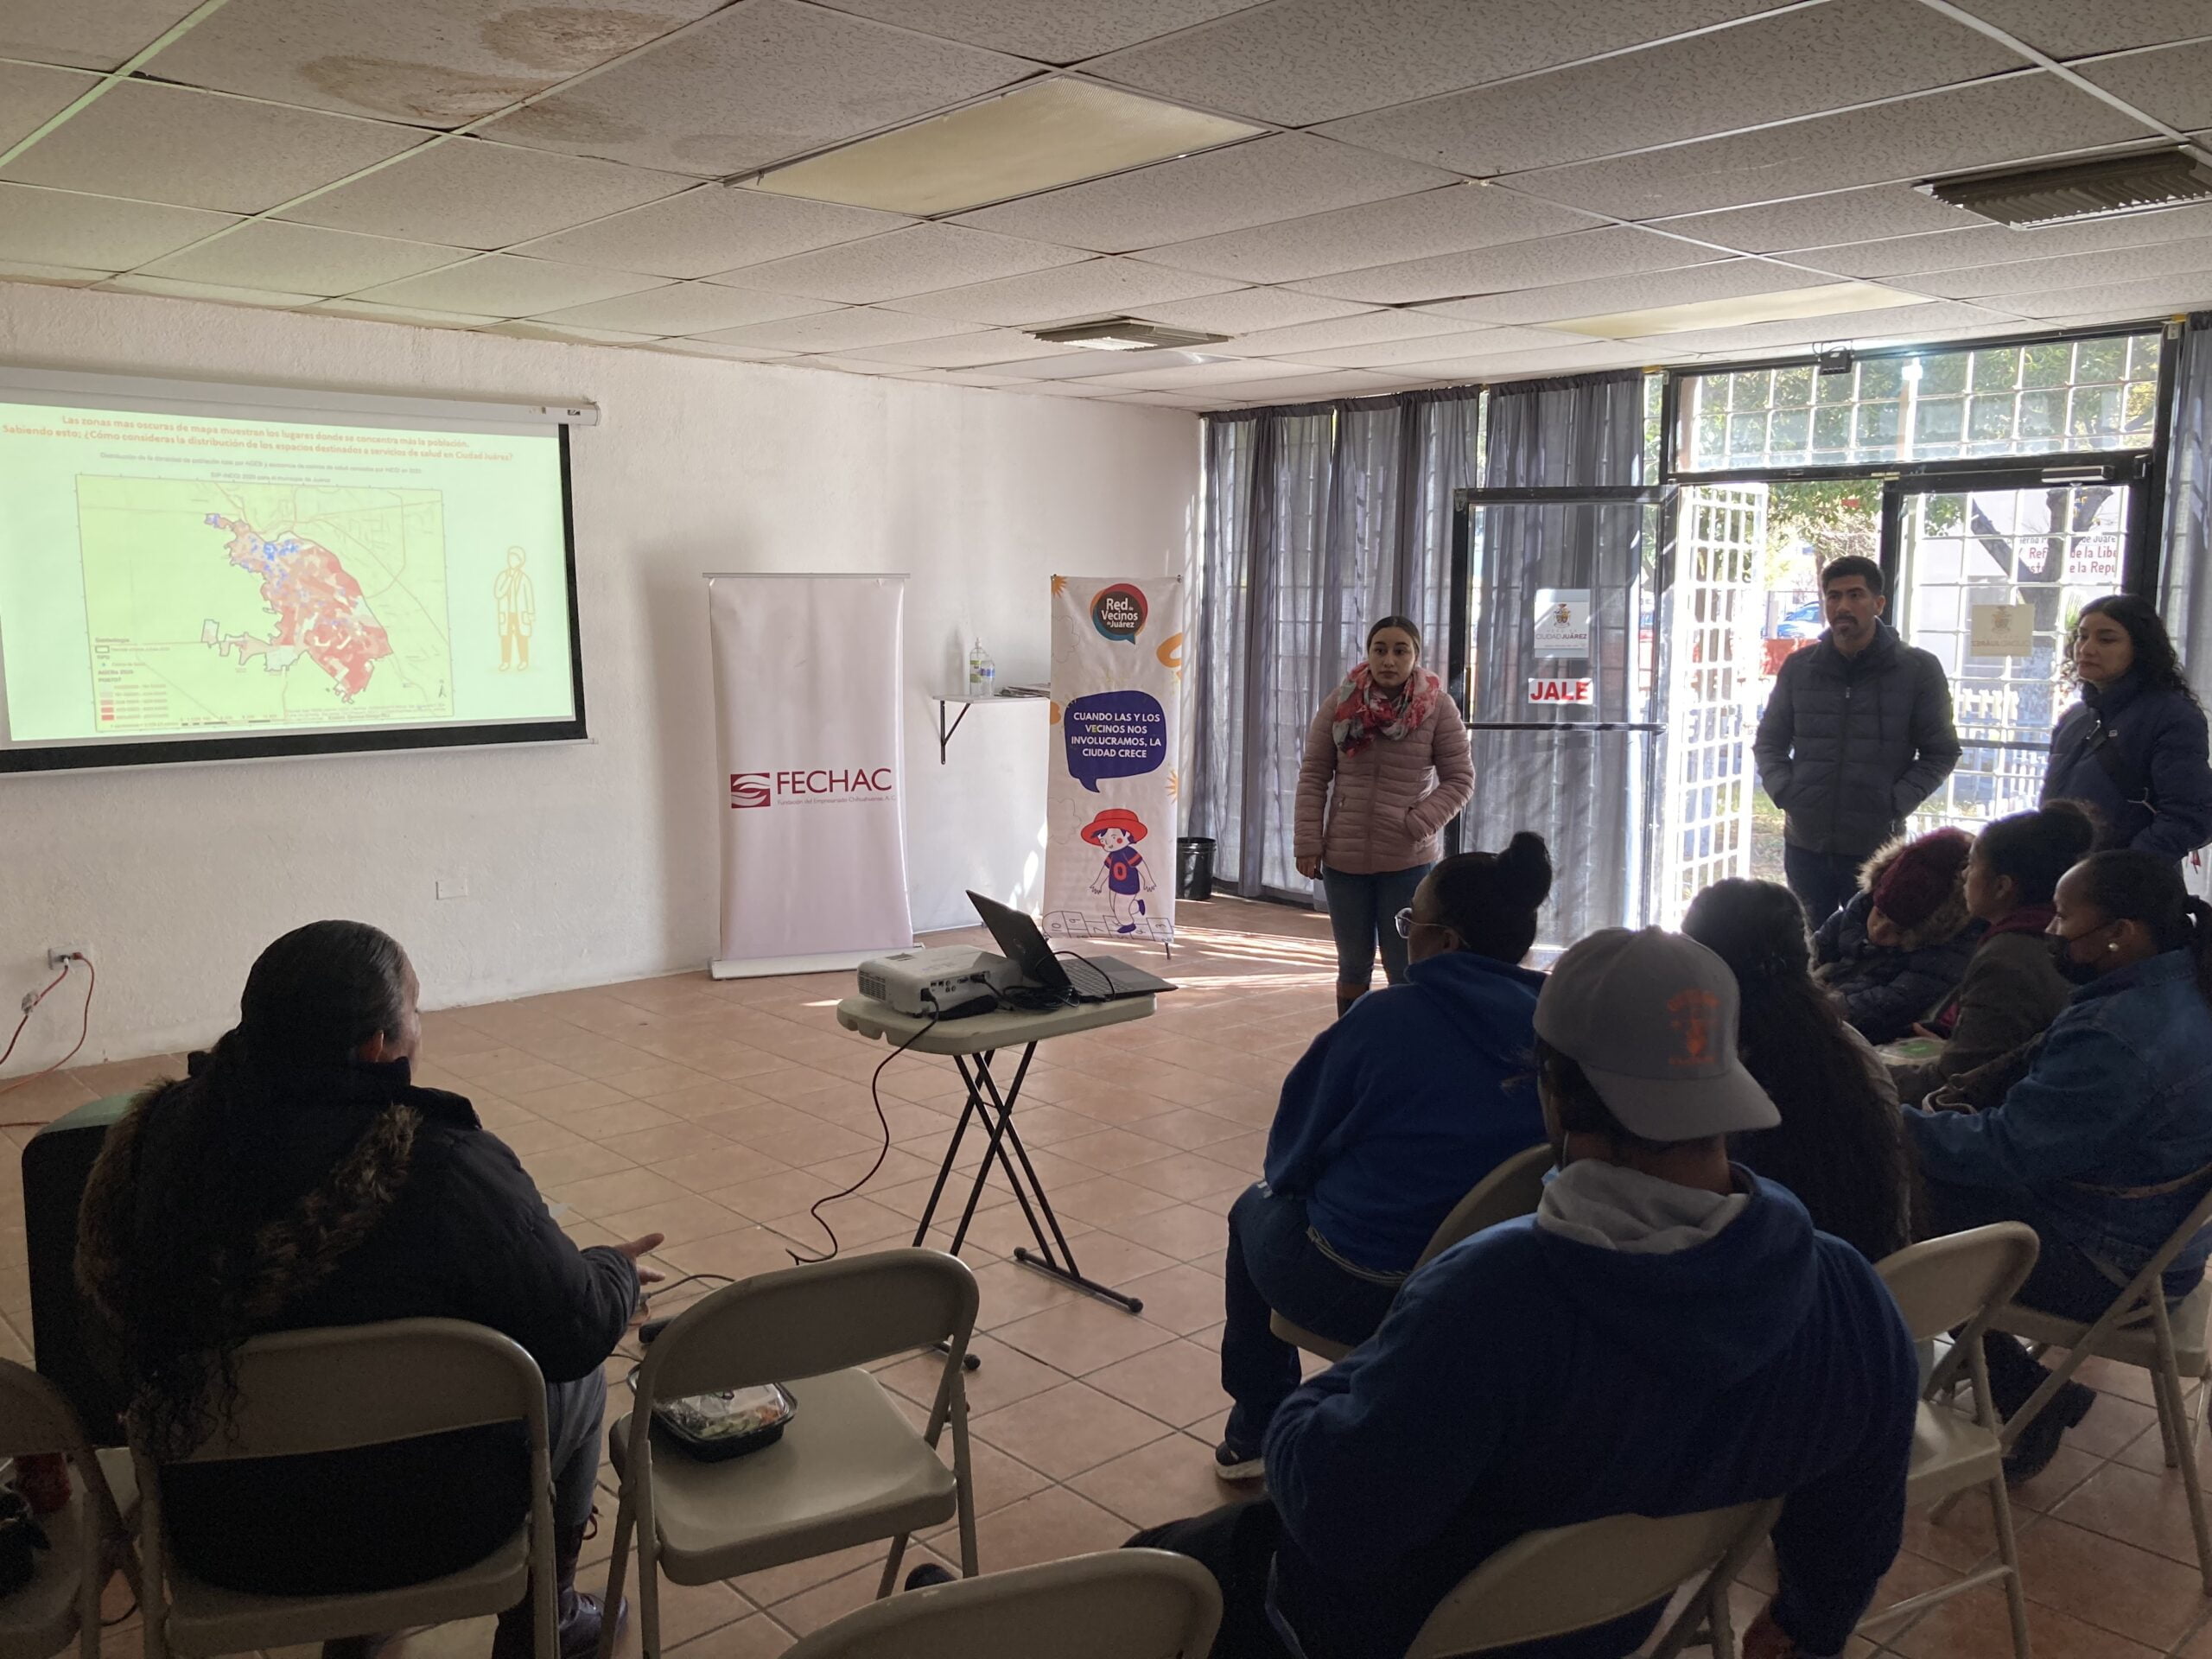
[717, 1113]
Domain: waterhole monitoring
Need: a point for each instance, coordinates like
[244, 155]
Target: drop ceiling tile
[990, 347]
[709, 230]
[762, 82]
[1997, 244]
[1727, 279]
[508, 286]
[2067, 29]
[1095, 289]
[30, 93]
[267, 253]
[2015, 118]
[530, 330]
[2157, 297]
[413, 317]
[60, 227]
[1377, 233]
[1089, 365]
[218, 293]
[434, 63]
[1283, 176]
[915, 260]
[848, 330]
[197, 149]
[89, 34]
[1300, 61]
[1234, 372]
[1447, 341]
[1308, 388]
[684, 309]
[1248, 310]
[469, 193]
[1769, 69]
[960, 378]
[1358, 329]
[1570, 357]
[1907, 322]
[1515, 265]
[1883, 210]
[711, 348]
[2181, 258]
[1050, 33]
[1189, 402]
[2174, 84]
[25, 271]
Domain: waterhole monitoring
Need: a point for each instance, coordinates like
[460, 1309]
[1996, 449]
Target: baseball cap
[1650, 1017]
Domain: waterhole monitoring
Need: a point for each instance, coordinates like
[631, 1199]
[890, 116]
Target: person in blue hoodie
[1395, 1112]
[2105, 1144]
[1668, 1333]
[2133, 747]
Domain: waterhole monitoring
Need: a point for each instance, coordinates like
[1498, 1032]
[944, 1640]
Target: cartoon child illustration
[1117, 830]
[516, 600]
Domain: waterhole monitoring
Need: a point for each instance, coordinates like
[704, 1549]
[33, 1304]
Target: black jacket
[1849, 746]
[1886, 988]
[2157, 741]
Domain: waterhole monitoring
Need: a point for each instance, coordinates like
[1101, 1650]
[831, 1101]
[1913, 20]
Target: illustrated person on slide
[1117, 830]
[517, 604]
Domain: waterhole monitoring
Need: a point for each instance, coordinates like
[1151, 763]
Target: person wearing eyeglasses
[1395, 1113]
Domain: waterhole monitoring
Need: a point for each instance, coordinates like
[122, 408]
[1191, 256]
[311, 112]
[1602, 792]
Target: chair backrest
[2136, 1297]
[1567, 1579]
[1942, 1284]
[1119, 1604]
[803, 1321]
[1513, 1189]
[334, 1388]
[36, 1416]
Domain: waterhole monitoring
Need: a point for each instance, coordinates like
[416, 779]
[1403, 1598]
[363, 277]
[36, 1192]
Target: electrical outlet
[58, 956]
[452, 886]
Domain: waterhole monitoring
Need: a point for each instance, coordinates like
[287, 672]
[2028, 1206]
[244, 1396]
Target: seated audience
[296, 1178]
[1666, 1334]
[1837, 1146]
[2105, 1144]
[2013, 989]
[1898, 949]
[1398, 1109]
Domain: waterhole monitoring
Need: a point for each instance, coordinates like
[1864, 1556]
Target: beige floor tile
[1976, 1625]
[1106, 1199]
[2150, 1511]
[1049, 1527]
[1179, 1383]
[1066, 1430]
[1165, 1481]
[1182, 1299]
[1081, 1336]
[629, 1188]
[566, 1102]
[1186, 1232]
[564, 1166]
[2114, 1586]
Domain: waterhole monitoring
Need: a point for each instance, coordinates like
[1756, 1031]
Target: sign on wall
[1110, 806]
[1562, 692]
[1562, 620]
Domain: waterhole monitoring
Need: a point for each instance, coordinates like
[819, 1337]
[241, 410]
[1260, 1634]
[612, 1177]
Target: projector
[938, 981]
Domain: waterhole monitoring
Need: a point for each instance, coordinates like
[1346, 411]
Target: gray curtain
[1319, 519]
[2185, 598]
[1557, 769]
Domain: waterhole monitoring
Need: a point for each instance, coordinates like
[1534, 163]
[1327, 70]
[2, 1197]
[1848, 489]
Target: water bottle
[988, 685]
[975, 670]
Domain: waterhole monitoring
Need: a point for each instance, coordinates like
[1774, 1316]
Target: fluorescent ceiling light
[2103, 188]
[1829, 299]
[1124, 334]
[1039, 136]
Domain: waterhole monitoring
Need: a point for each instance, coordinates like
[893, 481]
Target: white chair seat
[206, 1620]
[1298, 1337]
[849, 1469]
[1950, 1453]
[2130, 1344]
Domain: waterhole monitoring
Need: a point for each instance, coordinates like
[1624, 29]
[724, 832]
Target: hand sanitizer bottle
[975, 670]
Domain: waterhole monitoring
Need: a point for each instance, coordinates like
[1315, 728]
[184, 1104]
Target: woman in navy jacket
[2134, 747]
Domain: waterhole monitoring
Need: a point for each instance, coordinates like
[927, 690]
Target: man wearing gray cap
[1668, 1333]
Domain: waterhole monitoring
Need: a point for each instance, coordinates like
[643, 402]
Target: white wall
[591, 862]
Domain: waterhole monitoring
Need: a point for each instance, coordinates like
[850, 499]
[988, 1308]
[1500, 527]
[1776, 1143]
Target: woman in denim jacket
[2105, 1145]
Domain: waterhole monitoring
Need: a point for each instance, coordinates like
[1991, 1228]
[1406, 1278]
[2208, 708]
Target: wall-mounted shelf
[945, 705]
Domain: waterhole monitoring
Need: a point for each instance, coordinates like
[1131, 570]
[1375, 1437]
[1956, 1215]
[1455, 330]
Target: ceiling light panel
[1037, 137]
[1828, 300]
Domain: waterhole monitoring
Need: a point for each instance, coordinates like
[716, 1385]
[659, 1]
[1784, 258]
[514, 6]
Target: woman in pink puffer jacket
[1386, 768]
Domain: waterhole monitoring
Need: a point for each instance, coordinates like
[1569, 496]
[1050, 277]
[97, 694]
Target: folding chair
[91, 1537]
[848, 1471]
[1513, 1189]
[331, 1390]
[2137, 1330]
[1568, 1578]
[1119, 1604]
[1958, 1283]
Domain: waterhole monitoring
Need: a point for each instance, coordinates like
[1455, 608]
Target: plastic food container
[715, 1427]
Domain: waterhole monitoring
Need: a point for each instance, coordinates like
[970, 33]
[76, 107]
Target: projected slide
[168, 577]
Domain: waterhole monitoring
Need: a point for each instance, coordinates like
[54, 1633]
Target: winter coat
[1849, 746]
[2158, 740]
[2012, 991]
[1887, 988]
[1383, 808]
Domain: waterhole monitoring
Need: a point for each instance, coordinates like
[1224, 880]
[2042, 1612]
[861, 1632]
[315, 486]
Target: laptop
[1086, 975]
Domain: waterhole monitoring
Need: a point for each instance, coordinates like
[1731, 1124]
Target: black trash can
[1194, 867]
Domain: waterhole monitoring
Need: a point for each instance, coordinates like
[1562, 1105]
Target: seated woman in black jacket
[1900, 947]
[295, 1178]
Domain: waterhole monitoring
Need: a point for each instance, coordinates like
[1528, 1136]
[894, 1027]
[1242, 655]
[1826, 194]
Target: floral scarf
[1365, 711]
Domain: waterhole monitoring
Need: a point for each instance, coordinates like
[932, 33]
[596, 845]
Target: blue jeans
[1364, 911]
[1275, 1266]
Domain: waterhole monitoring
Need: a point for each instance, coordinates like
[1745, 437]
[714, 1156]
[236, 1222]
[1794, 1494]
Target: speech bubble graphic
[1113, 735]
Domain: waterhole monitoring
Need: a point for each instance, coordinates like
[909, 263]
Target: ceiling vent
[1124, 334]
[2097, 189]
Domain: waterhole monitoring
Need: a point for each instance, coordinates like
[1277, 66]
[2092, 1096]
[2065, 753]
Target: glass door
[1990, 574]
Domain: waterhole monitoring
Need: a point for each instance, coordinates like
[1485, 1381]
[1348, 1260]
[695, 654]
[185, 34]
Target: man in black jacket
[1857, 735]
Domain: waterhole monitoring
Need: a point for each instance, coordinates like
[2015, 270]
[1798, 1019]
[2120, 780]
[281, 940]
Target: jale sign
[1560, 691]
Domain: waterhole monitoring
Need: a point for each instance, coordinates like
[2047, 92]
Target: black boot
[579, 1614]
[1345, 999]
[2013, 1380]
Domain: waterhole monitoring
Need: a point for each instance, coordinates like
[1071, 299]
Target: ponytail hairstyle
[2035, 848]
[189, 1240]
[1404, 624]
[2156, 664]
[1490, 899]
[2126, 885]
[1837, 1146]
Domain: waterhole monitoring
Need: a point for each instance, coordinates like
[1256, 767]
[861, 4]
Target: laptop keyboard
[1087, 980]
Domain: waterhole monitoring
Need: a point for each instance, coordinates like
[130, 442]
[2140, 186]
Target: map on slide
[216, 606]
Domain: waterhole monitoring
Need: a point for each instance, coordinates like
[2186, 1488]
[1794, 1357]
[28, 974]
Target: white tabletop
[985, 1032]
